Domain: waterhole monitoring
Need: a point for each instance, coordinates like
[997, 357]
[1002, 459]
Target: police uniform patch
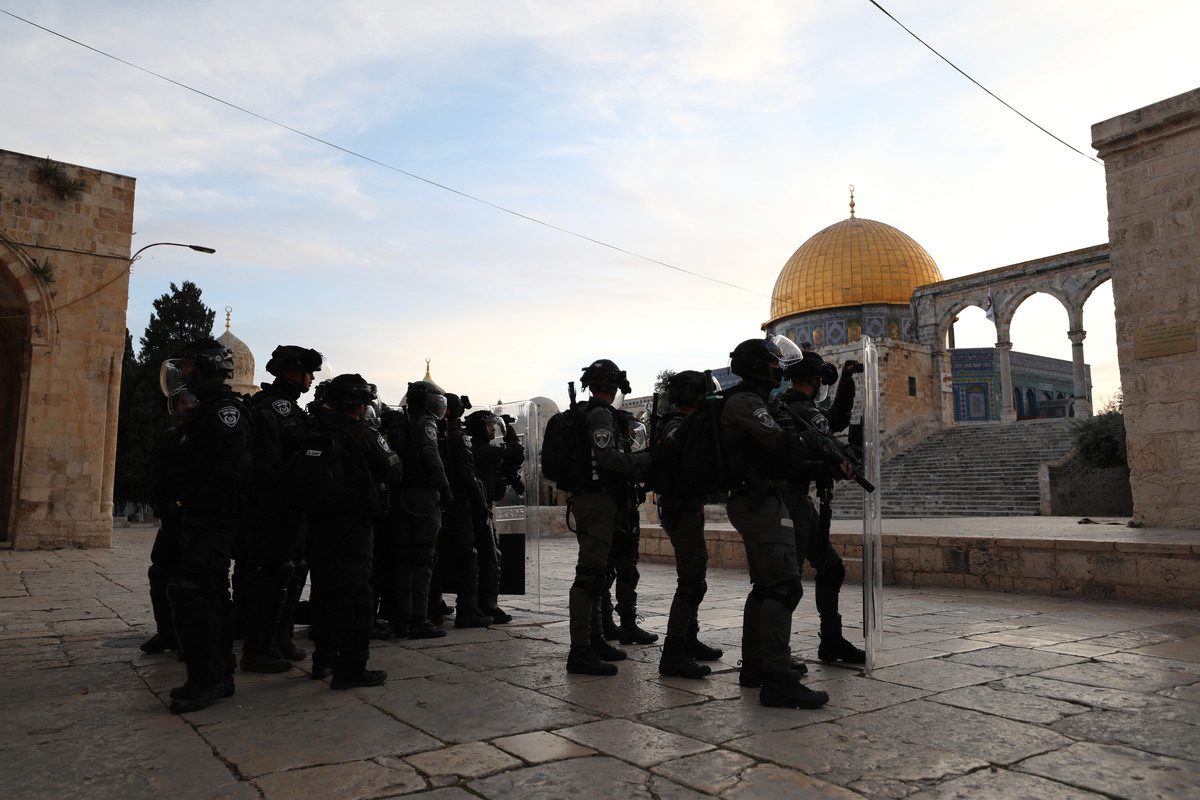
[820, 423]
[764, 418]
[466, 440]
[229, 415]
[282, 407]
[383, 443]
[312, 452]
[602, 437]
[431, 432]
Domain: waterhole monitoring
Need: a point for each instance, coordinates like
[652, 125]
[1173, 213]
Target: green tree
[1100, 440]
[179, 317]
[660, 387]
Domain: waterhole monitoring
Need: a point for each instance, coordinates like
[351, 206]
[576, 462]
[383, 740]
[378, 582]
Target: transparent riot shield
[516, 514]
[872, 548]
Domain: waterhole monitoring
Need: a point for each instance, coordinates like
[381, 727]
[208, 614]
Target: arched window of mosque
[1019, 401]
[818, 337]
[977, 405]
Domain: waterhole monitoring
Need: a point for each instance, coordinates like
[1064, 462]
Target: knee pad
[787, 593]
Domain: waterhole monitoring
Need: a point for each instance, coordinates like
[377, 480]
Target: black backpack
[316, 475]
[694, 460]
[566, 456]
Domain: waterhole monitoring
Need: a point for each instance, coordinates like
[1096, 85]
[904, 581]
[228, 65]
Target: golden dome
[852, 263]
[242, 381]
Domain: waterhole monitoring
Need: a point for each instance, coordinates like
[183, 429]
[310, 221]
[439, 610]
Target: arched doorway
[14, 373]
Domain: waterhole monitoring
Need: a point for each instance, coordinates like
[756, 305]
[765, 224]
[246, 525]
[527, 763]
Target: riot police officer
[345, 471]
[165, 472]
[211, 495]
[682, 515]
[810, 380]
[495, 448]
[611, 470]
[757, 452]
[274, 528]
[413, 521]
[457, 559]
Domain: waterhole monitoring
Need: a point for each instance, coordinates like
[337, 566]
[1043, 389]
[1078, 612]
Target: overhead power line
[980, 85]
[384, 164]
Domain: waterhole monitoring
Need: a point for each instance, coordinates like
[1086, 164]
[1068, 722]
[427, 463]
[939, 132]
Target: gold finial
[852, 201]
[428, 377]
[228, 314]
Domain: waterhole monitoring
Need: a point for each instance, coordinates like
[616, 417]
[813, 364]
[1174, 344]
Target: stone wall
[1152, 163]
[1068, 487]
[64, 282]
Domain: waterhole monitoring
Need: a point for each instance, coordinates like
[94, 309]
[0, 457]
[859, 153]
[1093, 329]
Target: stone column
[1007, 412]
[941, 369]
[1083, 406]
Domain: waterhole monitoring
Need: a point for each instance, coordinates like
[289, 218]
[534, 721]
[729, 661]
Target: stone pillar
[1083, 404]
[941, 371]
[1152, 167]
[1007, 412]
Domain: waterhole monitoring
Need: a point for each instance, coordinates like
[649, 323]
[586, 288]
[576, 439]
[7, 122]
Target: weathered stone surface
[1190, 693]
[722, 720]
[470, 760]
[712, 772]
[1000, 741]
[359, 779]
[504, 653]
[541, 746]
[936, 675]
[539, 676]
[1000, 784]
[625, 698]
[633, 741]
[1130, 677]
[449, 707]
[1014, 660]
[1012, 705]
[1118, 771]
[598, 778]
[844, 756]
[314, 737]
[865, 694]
[1145, 731]
[769, 782]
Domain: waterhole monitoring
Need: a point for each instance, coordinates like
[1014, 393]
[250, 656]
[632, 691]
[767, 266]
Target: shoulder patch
[383, 443]
[466, 440]
[820, 422]
[230, 415]
[431, 432]
[312, 452]
[764, 418]
[602, 437]
[282, 407]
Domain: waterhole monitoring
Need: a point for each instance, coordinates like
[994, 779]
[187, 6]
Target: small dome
[851, 263]
[242, 381]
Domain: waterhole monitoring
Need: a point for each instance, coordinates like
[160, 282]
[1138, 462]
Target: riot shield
[515, 515]
[872, 548]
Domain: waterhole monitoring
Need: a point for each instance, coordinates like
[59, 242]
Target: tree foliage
[179, 317]
[1100, 440]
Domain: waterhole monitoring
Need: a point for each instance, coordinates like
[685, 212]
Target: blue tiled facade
[840, 325]
[1042, 386]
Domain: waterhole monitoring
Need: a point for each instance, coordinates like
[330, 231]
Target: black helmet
[348, 390]
[290, 356]
[425, 396]
[476, 420]
[603, 372]
[687, 387]
[319, 392]
[456, 405]
[209, 358]
[754, 363]
[812, 366]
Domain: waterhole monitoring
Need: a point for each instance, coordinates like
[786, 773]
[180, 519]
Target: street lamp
[199, 248]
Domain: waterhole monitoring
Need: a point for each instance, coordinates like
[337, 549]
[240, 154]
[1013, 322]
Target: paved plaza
[981, 695]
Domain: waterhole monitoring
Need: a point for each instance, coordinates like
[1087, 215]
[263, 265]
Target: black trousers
[164, 561]
[273, 536]
[340, 553]
[199, 596]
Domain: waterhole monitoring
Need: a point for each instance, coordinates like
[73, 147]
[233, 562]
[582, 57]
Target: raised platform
[1054, 556]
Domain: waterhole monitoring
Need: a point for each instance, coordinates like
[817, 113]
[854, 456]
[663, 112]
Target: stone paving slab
[1073, 698]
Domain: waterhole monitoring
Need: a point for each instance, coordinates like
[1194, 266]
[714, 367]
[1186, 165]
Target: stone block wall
[64, 373]
[1152, 164]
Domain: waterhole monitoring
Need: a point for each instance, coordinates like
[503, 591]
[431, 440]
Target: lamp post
[199, 248]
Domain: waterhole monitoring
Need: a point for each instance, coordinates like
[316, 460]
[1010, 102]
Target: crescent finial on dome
[228, 315]
[852, 201]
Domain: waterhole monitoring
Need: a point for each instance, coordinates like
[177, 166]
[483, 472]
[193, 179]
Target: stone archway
[14, 382]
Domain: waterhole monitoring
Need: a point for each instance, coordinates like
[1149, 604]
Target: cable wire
[980, 85]
[385, 165]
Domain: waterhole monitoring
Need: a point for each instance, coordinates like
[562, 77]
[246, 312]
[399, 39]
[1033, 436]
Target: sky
[713, 136]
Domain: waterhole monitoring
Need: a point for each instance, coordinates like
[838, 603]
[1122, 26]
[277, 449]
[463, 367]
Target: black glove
[852, 367]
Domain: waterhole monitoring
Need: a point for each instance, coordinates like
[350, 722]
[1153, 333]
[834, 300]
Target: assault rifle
[835, 446]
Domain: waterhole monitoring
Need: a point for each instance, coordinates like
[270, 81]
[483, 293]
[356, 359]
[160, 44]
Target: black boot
[630, 633]
[266, 660]
[287, 648]
[322, 667]
[471, 618]
[584, 661]
[697, 649]
[834, 647]
[158, 644]
[611, 631]
[676, 663]
[606, 652]
[191, 697]
[424, 629]
[786, 691]
[750, 673]
[353, 679]
[498, 615]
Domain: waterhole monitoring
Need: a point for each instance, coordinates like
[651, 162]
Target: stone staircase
[966, 471]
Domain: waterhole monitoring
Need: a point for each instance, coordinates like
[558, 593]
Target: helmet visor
[497, 427]
[172, 375]
[181, 403]
[784, 349]
[436, 404]
[639, 439]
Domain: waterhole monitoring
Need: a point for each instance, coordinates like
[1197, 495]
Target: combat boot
[697, 649]
[834, 647]
[470, 618]
[606, 652]
[584, 661]
[322, 668]
[268, 660]
[786, 691]
[356, 678]
[630, 633]
[158, 644]
[676, 663]
[498, 615]
[287, 648]
[611, 631]
[382, 631]
[750, 673]
[191, 697]
[424, 629]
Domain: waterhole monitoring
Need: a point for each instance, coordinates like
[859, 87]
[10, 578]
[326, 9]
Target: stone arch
[947, 318]
[1008, 309]
[15, 358]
